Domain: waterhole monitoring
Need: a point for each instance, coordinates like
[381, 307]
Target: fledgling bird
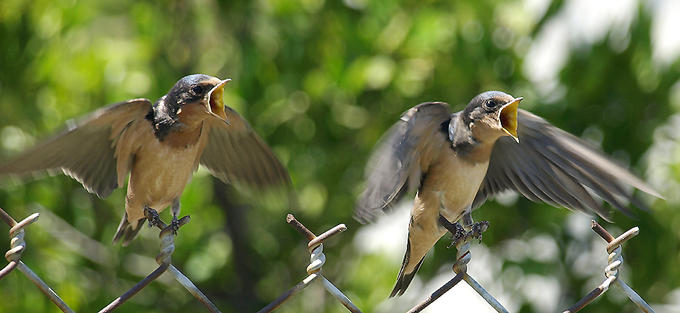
[160, 145]
[456, 161]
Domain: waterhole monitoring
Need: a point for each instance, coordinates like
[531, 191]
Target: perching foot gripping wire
[167, 237]
[463, 257]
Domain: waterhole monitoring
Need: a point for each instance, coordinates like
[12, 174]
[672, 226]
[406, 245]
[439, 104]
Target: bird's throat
[162, 120]
[460, 136]
[465, 143]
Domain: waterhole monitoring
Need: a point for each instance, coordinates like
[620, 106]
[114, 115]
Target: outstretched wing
[553, 166]
[235, 154]
[404, 153]
[86, 150]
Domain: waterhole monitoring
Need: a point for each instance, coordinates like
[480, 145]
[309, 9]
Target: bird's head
[189, 100]
[493, 113]
[204, 90]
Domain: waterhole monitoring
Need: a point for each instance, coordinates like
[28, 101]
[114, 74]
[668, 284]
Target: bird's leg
[175, 216]
[457, 231]
[475, 229]
[154, 220]
[461, 234]
[152, 216]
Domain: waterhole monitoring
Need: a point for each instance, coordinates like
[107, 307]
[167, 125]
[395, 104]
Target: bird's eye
[198, 89]
[491, 103]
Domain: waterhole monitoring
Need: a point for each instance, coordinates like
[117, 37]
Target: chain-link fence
[314, 269]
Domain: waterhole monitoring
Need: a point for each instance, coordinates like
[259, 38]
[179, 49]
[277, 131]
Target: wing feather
[403, 154]
[84, 151]
[235, 154]
[553, 166]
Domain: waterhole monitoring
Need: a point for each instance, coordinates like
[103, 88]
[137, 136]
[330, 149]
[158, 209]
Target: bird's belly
[456, 185]
[158, 176]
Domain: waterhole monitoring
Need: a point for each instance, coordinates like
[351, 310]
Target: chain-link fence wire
[611, 271]
[13, 256]
[463, 257]
[317, 260]
[167, 238]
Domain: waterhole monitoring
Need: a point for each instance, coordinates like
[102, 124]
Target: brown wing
[235, 154]
[553, 166]
[404, 154]
[86, 150]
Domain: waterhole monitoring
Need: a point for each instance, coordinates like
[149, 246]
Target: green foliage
[321, 81]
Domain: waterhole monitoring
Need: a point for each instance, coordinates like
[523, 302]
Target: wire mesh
[167, 236]
[13, 256]
[611, 271]
[316, 262]
[463, 257]
[314, 269]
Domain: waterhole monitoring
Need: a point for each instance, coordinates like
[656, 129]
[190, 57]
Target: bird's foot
[461, 236]
[457, 234]
[153, 217]
[154, 220]
[174, 225]
[477, 229]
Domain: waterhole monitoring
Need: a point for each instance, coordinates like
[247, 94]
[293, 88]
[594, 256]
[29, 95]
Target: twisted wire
[316, 260]
[167, 238]
[615, 261]
[13, 255]
[16, 234]
[463, 257]
[611, 271]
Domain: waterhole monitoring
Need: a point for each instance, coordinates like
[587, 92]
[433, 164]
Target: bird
[456, 161]
[159, 145]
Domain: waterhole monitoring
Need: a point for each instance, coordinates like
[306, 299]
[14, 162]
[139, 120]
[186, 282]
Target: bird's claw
[154, 220]
[174, 225]
[458, 235]
[478, 228]
[153, 217]
[462, 236]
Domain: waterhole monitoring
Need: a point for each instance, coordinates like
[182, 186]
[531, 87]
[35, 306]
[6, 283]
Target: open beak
[216, 101]
[508, 117]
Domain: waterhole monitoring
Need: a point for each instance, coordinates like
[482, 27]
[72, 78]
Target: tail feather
[404, 279]
[126, 231]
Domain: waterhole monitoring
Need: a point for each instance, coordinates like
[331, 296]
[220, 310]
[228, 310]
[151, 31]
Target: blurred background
[321, 81]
